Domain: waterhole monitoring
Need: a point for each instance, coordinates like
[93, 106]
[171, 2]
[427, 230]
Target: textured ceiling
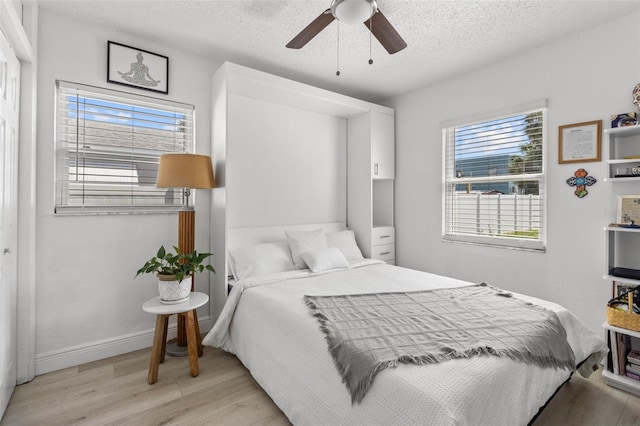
[444, 37]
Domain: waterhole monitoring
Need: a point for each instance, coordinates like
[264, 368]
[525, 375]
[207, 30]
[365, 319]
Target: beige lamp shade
[185, 171]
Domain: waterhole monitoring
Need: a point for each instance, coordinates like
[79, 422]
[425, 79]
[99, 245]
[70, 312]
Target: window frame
[140, 152]
[449, 178]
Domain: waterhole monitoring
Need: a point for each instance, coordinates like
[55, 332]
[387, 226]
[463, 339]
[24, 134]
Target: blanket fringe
[358, 389]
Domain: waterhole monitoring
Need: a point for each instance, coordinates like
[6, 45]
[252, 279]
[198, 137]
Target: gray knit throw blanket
[367, 333]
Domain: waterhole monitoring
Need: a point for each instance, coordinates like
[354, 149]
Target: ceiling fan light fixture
[353, 11]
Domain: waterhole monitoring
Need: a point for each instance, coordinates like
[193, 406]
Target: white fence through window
[507, 215]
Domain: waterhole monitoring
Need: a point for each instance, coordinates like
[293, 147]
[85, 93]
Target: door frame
[22, 34]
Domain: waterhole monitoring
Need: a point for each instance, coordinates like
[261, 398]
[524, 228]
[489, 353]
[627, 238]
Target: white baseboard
[94, 351]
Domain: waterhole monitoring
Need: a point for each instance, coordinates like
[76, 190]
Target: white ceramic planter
[171, 291]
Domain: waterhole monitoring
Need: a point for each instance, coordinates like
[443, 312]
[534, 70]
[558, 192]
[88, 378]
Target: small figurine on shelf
[631, 223]
[624, 120]
[626, 218]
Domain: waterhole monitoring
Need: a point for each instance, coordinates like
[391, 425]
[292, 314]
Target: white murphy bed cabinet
[370, 176]
[382, 143]
[622, 244]
[369, 144]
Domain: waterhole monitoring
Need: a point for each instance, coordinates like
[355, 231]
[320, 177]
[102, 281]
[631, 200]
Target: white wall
[584, 77]
[16, 5]
[88, 305]
[296, 157]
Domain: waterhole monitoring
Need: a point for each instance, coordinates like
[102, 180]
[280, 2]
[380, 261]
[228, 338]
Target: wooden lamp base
[186, 244]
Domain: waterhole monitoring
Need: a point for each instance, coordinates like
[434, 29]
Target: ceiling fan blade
[311, 30]
[385, 33]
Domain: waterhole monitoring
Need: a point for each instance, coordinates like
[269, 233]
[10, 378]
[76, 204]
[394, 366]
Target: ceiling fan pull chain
[338, 52]
[371, 33]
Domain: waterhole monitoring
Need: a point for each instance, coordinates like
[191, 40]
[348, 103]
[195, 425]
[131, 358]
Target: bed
[269, 327]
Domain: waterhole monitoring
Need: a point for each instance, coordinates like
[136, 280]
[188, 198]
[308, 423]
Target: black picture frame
[139, 68]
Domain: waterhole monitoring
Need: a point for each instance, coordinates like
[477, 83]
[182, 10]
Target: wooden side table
[194, 340]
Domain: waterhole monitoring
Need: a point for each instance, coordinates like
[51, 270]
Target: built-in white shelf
[626, 331]
[622, 243]
[625, 131]
[621, 382]
[621, 279]
[621, 229]
[623, 179]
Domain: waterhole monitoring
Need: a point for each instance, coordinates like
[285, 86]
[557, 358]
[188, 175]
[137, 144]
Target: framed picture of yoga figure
[138, 68]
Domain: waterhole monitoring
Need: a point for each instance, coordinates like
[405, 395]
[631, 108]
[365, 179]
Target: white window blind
[494, 181]
[108, 146]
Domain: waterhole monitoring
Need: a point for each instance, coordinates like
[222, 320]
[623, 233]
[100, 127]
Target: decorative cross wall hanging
[581, 180]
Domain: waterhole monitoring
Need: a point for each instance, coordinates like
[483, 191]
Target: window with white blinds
[494, 189]
[108, 146]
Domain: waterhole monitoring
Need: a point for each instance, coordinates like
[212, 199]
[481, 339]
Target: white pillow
[346, 242]
[301, 241]
[260, 259]
[320, 260]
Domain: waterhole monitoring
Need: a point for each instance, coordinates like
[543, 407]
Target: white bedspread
[267, 325]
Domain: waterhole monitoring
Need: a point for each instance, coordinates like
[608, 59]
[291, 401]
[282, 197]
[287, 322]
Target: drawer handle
[384, 253]
[375, 169]
[385, 236]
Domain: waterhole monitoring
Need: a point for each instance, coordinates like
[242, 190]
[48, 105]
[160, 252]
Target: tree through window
[494, 181]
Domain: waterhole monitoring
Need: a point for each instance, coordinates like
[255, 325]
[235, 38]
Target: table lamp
[186, 171]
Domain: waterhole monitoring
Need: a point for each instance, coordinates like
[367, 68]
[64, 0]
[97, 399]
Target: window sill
[101, 211]
[497, 242]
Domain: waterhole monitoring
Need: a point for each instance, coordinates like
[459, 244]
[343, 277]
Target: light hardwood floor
[114, 391]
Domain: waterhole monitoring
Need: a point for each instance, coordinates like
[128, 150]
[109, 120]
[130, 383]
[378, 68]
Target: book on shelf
[634, 357]
[620, 351]
[624, 346]
[633, 376]
[614, 351]
[633, 368]
[609, 353]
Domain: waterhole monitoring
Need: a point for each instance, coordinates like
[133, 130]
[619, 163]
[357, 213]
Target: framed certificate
[580, 142]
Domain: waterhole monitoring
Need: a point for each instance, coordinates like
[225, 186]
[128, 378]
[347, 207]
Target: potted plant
[173, 271]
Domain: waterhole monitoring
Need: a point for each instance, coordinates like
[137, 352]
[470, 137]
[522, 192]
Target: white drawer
[384, 252]
[383, 235]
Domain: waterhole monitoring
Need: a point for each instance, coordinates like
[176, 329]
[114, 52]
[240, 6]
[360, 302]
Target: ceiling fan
[353, 11]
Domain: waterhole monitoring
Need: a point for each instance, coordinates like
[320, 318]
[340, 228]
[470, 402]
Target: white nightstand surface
[155, 306]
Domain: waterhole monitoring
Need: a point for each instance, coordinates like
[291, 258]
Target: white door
[9, 118]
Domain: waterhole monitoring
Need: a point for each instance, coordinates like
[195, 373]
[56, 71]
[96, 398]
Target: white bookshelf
[622, 154]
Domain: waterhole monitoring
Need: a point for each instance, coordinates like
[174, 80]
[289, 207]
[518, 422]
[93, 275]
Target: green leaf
[180, 264]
